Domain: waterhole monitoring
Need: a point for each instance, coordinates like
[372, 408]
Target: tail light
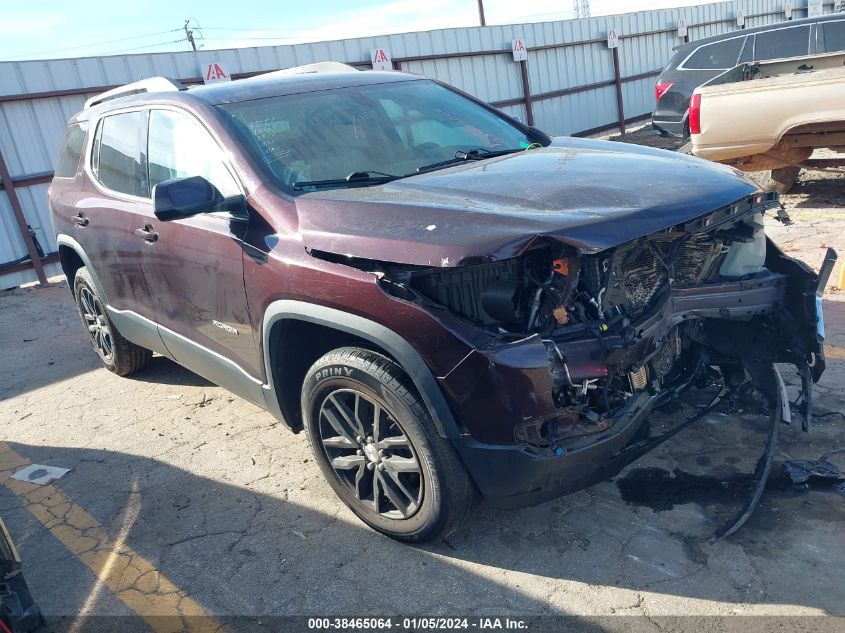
[695, 114]
[660, 89]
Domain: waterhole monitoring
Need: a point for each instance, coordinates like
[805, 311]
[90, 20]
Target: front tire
[378, 448]
[117, 354]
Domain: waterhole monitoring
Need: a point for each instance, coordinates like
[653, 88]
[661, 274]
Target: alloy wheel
[370, 453]
[98, 326]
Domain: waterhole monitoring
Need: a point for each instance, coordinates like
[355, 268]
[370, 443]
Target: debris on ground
[41, 475]
[800, 471]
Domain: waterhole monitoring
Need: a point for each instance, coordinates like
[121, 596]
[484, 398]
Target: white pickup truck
[772, 116]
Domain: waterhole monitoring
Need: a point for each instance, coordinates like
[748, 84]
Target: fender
[63, 239]
[369, 330]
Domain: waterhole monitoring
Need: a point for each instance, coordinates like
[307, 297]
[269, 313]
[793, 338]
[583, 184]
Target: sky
[50, 29]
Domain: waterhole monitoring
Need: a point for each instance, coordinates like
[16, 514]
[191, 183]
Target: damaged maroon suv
[451, 304]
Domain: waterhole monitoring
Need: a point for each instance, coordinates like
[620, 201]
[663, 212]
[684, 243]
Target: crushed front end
[572, 348]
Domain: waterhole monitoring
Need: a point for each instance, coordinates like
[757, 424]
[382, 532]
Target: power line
[240, 39]
[73, 48]
[232, 28]
[138, 48]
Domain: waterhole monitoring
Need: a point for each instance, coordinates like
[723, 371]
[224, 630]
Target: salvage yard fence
[571, 83]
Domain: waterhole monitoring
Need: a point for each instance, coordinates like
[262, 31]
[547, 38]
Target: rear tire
[782, 180]
[118, 355]
[378, 448]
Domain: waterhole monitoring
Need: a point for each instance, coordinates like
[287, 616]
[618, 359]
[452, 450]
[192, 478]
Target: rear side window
[118, 160]
[792, 42]
[716, 56]
[834, 36]
[72, 148]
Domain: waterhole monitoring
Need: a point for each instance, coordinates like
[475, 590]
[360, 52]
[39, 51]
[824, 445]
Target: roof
[757, 29]
[259, 87]
[273, 85]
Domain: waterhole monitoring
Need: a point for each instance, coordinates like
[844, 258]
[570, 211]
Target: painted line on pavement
[132, 578]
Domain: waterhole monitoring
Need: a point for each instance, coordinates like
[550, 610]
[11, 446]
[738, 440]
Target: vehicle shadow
[824, 191]
[652, 528]
[284, 545]
[42, 339]
[44, 343]
[237, 551]
[163, 371]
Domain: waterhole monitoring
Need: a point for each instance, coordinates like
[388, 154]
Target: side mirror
[184, 197]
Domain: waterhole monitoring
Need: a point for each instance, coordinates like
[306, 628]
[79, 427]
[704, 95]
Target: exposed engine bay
[645, 317]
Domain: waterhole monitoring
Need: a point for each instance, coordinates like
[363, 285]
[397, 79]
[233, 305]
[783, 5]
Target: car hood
[589, 194]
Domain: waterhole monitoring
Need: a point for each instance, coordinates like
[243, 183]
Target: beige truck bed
[773, 114]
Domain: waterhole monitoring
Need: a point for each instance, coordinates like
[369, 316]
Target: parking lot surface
[184, 499]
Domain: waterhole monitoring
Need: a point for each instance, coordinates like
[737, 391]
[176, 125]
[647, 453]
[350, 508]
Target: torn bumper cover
[522, 447]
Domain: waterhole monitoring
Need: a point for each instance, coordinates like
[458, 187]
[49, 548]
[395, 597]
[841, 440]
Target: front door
[195, 267]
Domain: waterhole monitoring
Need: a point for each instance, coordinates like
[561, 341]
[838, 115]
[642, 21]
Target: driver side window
[179, 147]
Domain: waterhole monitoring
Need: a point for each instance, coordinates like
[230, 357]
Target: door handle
[147, 234]
[79, 219]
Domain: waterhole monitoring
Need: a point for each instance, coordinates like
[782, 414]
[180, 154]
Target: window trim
[224, 158]
[89, 162]
[809, 28]
[821, 38]
[148, 108]
[682, 65]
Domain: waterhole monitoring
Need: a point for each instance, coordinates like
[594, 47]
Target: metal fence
[571, 83]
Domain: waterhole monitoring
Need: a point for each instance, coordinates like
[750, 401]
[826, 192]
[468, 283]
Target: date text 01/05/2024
[417, 623]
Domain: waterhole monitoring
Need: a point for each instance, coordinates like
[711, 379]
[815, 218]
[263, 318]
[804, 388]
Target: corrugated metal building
[571, 83]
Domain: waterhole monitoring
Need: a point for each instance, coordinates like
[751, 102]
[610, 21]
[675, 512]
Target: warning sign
[380, 59]
[682, 28]
[612, 39]
[520, 53]
[215, 72]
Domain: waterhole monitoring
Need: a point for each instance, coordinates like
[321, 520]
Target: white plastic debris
[39, 474]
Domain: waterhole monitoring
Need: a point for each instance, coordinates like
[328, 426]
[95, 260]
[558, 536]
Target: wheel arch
[73, 257]
[291, 325]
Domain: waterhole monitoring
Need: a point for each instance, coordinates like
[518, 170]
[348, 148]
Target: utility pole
[581, 8]
[481, 13]
[189, 33]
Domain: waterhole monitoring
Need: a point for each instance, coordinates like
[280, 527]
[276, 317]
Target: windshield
[391, 129]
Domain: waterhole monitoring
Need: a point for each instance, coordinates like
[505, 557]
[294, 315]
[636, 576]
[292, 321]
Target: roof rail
[317, 67]
[153, 84]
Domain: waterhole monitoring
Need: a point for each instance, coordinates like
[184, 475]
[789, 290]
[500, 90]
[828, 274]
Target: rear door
[195, 267]
[116, 206]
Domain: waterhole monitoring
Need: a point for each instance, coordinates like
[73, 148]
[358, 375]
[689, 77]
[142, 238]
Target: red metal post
[617, 80]
[9, 186]
[526, 92]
